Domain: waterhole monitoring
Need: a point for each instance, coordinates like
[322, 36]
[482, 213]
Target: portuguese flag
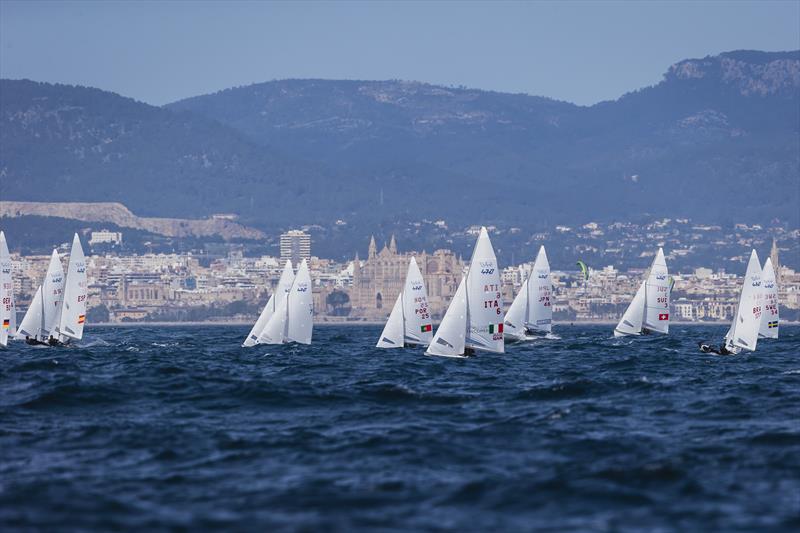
[496, 328]
[426, 328]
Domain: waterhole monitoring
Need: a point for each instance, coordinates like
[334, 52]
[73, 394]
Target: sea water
[163, 428]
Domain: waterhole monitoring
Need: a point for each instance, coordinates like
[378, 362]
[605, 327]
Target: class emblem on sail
[474, 319]
[648, 312]
[531, 312]
[409, 323]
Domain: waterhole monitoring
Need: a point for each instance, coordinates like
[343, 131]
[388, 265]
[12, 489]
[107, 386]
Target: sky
[581, 52]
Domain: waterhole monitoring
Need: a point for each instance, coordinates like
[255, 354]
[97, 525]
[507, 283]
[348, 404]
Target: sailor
[707, 348]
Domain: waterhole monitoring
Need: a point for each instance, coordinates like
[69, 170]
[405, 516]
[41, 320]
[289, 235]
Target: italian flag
[425, 328]
[496, 328]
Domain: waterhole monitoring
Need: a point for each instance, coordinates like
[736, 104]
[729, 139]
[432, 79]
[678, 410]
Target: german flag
[81, 319]
[425, 328]
[6, 323]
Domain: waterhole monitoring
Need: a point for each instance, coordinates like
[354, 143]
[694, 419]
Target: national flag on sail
[772, 324]
[496, 328]
[426, 328]
[6, 323]
[663, 316]
[81, 319]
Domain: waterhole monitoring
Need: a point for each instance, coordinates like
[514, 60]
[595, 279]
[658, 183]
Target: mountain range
[717, 140]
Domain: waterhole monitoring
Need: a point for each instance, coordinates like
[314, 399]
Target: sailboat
[474, 320]
[743, 333]
[409, 323]
[39, 324]
[293, 319]
[531, 312]
[73, 308]
[648, 312]
[278, 295]
[8, 311]
[769, 316]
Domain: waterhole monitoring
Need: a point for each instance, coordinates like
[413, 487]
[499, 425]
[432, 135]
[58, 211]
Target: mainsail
[649, 309]
[410, 320]
[770, 316]
[656, 316]
[540, 289]
[8, 311]
[73, 309]
[279, 294]
[514, 322]
[300, 308]
[475, 316]
[743, 333]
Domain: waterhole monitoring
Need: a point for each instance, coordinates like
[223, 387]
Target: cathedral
[378, 280]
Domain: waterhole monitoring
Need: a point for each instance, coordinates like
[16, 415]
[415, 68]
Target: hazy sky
[582, 52]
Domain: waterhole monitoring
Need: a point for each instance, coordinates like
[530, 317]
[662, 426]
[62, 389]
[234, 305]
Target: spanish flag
[81, 319]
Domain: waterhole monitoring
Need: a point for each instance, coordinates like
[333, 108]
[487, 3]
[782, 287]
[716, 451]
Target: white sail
[280, 292]
[73, 308]
[540, 290]
[743, 333]
[32, 321]
[417, 323]
[770, 315]
[8, 310]
[451, 333]
[631, 321]
[514, 322]
[484, 299]
[392, 334]
[52, 296]
[275, 330]
[656, 316]
[300, 310]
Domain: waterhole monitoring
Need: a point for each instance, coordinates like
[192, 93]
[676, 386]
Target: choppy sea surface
[175, 428]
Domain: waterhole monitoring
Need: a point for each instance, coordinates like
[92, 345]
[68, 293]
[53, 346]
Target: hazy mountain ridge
[716, 140]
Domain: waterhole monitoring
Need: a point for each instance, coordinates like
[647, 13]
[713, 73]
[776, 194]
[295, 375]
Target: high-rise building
[295, 246]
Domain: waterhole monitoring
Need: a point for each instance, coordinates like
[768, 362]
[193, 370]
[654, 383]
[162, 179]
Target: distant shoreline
[375, 323]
